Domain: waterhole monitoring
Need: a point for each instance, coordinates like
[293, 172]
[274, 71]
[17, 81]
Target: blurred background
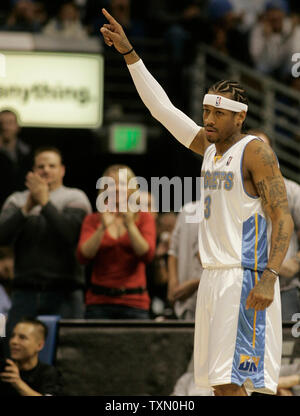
[71, 91]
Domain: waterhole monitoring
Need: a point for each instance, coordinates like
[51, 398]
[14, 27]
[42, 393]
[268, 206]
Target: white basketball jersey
[233, 231]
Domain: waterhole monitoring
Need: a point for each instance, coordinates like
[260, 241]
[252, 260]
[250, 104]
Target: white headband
[226, 103]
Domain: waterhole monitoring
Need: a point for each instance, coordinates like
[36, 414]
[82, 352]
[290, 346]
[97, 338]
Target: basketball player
[238, 318]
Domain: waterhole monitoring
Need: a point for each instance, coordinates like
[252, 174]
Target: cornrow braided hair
[233, 87]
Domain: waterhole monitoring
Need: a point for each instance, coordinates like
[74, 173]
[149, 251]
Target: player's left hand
[262, 295]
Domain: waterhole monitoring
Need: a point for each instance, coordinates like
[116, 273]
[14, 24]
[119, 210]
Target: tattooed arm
[262, 166]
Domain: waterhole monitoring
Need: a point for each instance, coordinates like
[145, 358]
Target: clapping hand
[38, 188]
[107, 218]
[127, 217]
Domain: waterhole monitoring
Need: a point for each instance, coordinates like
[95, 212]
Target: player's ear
[240, 118]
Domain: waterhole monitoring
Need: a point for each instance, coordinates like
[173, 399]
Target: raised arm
[185, 130]
[262, 166]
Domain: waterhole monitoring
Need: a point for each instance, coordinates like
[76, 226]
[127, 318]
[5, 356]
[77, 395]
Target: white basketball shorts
[232, 344]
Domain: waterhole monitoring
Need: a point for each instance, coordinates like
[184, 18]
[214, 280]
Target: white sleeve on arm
[158, 103]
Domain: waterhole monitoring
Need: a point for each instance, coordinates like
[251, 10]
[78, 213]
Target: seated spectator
[119, 244]
[272, 40]
[24, 374]
[6, 276]
[23, 18]
[67, 24]
[43, 225]
[15, 156]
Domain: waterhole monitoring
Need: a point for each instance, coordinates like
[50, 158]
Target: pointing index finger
[109, 17]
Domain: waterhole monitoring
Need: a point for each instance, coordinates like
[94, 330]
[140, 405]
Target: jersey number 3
[207, 203]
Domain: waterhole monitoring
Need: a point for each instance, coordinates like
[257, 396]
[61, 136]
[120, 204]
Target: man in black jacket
[23, 374]
[43, 225]
[15, 156]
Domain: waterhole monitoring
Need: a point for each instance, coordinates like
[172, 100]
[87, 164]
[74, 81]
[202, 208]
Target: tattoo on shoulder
[267, 156]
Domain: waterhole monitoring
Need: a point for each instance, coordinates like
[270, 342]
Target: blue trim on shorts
[248, 361]
[249, 260]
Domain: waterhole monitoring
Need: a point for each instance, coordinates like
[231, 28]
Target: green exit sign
[127, 138]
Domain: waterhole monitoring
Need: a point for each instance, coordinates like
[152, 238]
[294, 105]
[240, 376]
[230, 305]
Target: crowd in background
[261, 33]
[47, 229]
